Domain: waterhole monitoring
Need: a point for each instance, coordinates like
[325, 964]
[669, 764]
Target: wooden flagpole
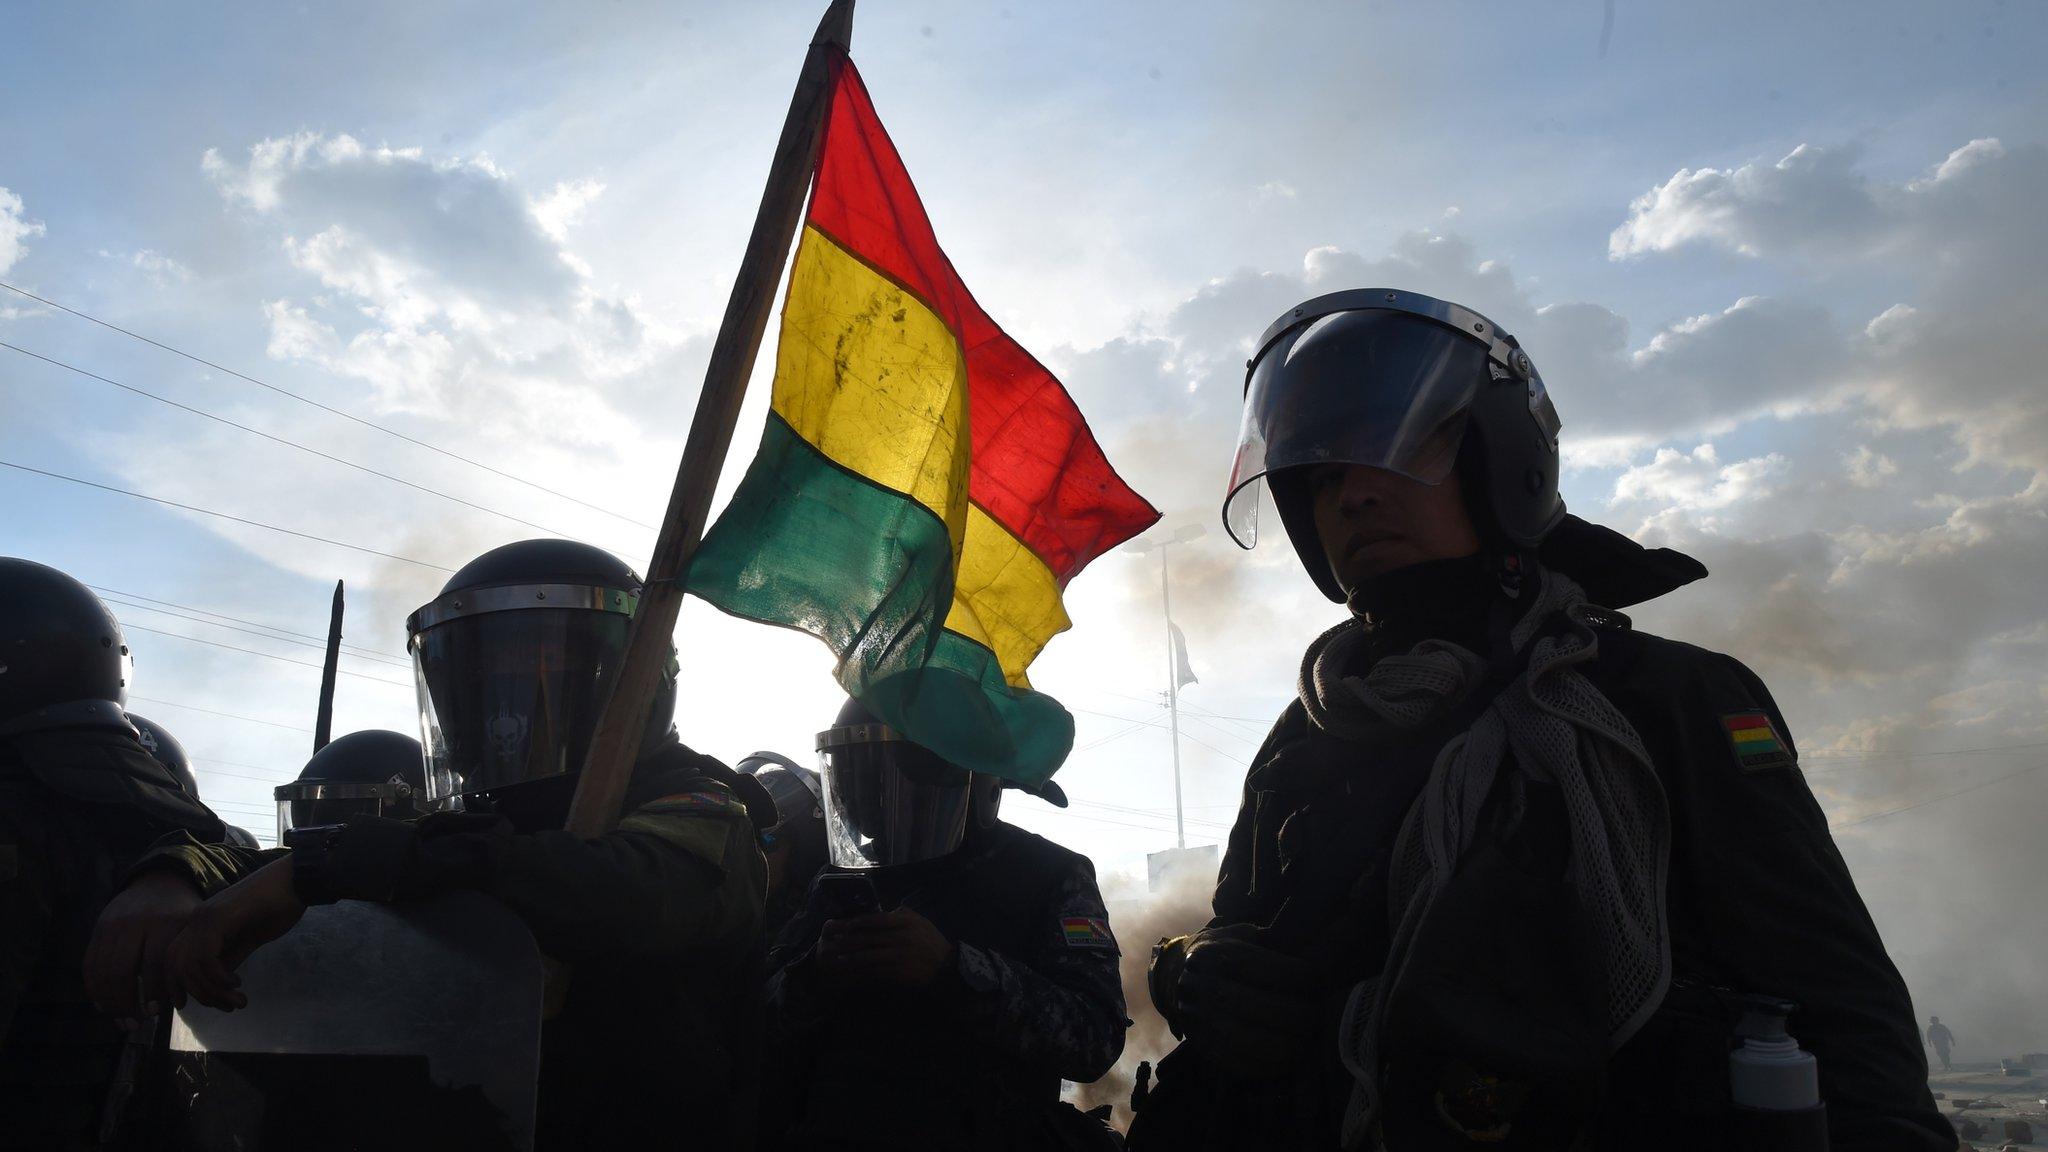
[616, 743]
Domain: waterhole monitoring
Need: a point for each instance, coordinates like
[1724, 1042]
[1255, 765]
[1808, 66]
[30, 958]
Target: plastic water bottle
[1775, 1084]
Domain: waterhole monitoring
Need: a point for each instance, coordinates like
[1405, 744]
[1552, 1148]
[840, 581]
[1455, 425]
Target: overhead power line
[226, 715]
[249, 632]
[331, 410]
[250, 767]
[1937, 799]
[224, 516]
[319, 640]
[289, 443]
[265, 655]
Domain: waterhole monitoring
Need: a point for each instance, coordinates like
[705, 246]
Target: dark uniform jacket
[1759, 901]
[76, 807]
[659, 919]
[976, 1061]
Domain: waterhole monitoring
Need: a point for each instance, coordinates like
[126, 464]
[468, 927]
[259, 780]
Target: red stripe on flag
[1747, 722]
[1036, 469]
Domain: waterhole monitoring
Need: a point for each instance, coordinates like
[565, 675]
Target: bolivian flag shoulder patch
[1756, 742]
[1087, 932]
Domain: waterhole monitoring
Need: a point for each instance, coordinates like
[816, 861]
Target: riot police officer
[80, 799]
[658, 917]
[375, 772]
[166, 750]
[1503, 870]
[795, 845]
[946, 973]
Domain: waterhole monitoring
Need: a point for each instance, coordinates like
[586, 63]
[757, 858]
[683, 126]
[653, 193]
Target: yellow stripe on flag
[1004, 597]
[873, 379]
[1752, 735]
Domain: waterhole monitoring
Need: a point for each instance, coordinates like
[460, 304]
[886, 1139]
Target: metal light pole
[1186, 534]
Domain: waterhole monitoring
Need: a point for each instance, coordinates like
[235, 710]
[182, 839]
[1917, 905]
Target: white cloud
[159, 268]
[562, 208]
[1868, 468]
[14, 228]
[1696, 481]
[1748, 209]
[445, 287]
[1273, 191]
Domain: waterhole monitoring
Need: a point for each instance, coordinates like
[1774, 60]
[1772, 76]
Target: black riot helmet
[1403, 382]
[890, 801]
[240, 838]
[799, 823]
[165, 750]
[63, 663]
[514, 659]
[375, 772]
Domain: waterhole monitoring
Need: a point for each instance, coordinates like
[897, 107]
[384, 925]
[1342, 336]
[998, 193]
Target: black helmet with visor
[514, 659]
[375, 772]
[1398, 381]
[890, 801]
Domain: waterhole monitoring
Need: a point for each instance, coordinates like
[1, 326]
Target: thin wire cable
[265, 655]
[1118, 735]
[224, 516]
[1857, 759]
[324, 407]
[238, 775]
[320, 640]
[1936, 799]
[311, 451]
[251, 632]
[1156, 813]
[235, 764]
[1192, 738]
[228, 715]
[1220, 730]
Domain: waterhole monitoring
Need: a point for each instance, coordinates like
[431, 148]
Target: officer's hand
[223, 931]
[124, 963]
[1247, 1007]
[900, 948]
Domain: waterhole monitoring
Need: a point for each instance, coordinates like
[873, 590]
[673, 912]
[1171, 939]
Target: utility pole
[1187, 533]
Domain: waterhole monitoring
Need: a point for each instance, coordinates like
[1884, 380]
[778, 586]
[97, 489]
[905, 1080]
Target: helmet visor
[312, 803]
[508, 697]
[888, 801]
[1372, 387]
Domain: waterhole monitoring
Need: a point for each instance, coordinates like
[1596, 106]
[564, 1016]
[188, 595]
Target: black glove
[1246, 1007]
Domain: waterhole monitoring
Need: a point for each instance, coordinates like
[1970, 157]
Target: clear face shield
[314, 803]
[510, 680]
[889, 801]
[1371, 377]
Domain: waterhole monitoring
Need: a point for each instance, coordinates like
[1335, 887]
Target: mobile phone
[842, 895]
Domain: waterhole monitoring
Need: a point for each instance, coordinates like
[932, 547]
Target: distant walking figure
[1941, 1039]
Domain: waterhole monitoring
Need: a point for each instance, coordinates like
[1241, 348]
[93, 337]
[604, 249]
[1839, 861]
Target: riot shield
[369, 1026]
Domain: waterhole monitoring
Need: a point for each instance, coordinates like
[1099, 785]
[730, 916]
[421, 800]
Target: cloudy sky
[1780, 264]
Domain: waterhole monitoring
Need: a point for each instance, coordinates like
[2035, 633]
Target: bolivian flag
[924, 488]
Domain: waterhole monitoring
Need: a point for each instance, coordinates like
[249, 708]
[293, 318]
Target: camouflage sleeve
[210, 867]
[680, 875]
[1062, 1007]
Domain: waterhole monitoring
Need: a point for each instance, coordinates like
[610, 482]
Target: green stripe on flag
[808, 545]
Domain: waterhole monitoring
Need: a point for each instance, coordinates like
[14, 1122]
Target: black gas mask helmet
[514, 660]
[889, 801]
